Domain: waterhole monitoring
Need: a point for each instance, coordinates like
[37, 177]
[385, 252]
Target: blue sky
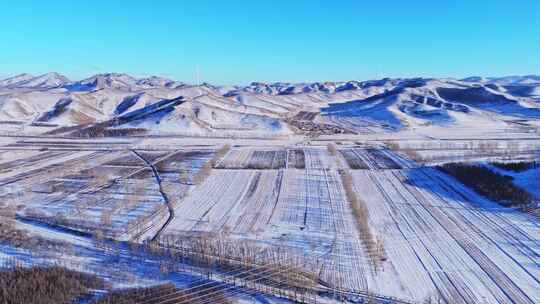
[236, 42]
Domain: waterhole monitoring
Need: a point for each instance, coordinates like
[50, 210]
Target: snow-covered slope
[15, 79]
[45, 81]
[437, 101]
[262, 108]
[521, 86]
[506, 80]
[122, 82]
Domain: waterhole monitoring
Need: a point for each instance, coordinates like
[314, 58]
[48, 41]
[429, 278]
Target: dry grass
[220, 153]
[100, 180]
[136, 191]
[8, 233]
[7, 212]
[80, 118]
[374, 247]
[203, 173]
[392, 145]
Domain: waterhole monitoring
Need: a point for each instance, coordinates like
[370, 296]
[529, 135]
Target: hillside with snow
[158, 105]
[364, 184]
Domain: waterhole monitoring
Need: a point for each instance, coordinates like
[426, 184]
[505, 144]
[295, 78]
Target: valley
[273, 193]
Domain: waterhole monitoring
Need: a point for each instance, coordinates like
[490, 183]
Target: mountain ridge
[124, 80]
[267, 108]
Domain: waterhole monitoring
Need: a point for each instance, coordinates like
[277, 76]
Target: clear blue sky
[294, 40]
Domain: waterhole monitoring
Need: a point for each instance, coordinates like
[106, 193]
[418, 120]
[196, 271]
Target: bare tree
[332, 149]
[106, 219]
[374, 248]
[100, 180]
[183, 175]
[206, 169]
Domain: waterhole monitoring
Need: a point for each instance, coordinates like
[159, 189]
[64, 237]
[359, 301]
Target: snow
[528, 180]
[47, 81]
[386, 105]
[423, 214]
[15, 79]
[432, 227]
[439, 237]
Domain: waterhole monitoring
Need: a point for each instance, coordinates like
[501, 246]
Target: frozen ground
[278, 186]
[467, 249]
[440, 239]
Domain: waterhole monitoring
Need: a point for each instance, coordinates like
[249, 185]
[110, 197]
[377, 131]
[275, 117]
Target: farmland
[366, 220]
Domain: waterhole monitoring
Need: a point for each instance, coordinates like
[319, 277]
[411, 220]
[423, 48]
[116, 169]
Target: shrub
[248, 264]
[299, 158]
[517, 166]
[206, 169]
[166, 293]
[374, 247]
[494, 186]
[41, 285]
[332, 149]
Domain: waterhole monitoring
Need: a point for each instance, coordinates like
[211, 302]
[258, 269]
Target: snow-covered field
[303, 209]
[449, 239]
[114, 192]
[440, 239]
[94, 168]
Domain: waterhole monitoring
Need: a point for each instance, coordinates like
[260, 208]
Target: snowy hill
[122, 82]
[506, 80]
[45, 81]
[101, 81]
[119, 100]
[11, 81]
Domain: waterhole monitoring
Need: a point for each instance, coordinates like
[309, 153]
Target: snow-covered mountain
[158, 82]
[45, 81]
[281, 88]
[122, 82]
[12, 81]
[161, 105]
[506, 80]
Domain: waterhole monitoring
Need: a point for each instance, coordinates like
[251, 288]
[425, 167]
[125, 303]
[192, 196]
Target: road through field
[170, 208]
